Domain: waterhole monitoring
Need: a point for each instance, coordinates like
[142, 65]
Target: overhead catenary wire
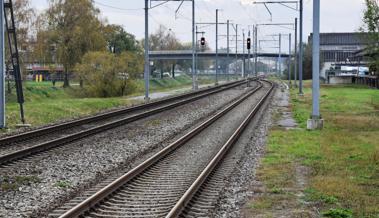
[114, 7]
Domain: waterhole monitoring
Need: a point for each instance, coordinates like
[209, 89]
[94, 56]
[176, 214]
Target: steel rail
[51, 129]
[111, 188]
[194, 188]
[85, 133]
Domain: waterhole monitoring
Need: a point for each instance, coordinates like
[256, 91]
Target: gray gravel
[184, 164]
[237, 190]
[55, 176]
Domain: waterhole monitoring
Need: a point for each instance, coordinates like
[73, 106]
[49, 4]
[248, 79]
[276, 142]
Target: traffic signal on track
[248, 43]
[202, 41]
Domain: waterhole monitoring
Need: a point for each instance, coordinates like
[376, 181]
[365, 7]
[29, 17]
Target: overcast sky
[336, 16]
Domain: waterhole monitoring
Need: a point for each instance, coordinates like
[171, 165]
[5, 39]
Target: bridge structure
[187, 55]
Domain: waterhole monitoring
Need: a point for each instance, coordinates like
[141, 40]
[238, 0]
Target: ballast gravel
[39, 184]
[237, 190]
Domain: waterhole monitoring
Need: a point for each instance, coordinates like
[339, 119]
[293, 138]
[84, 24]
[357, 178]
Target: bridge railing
[187, 52]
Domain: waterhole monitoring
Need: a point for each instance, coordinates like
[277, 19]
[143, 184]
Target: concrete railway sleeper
[37, 149]
[67, 126]
[164, 184]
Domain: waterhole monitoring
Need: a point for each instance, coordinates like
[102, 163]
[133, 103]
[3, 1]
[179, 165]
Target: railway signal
[248, 43]
[202, 41]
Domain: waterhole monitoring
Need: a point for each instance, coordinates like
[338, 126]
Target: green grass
[343, 158]
[63, 184]
[13, 183]
[45, 104]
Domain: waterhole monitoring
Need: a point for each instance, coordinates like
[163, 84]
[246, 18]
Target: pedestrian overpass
[187, 55]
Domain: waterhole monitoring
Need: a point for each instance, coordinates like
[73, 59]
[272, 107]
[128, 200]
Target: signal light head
[202, 41]
[248, 43]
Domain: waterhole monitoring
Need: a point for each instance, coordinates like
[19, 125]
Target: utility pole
[147, 58]
[248, 57]
[256, 51]
[316, 121]
[227, 50]
[296, 55]
[2, 67]
[254, 72]
[289, 60]
[301, 50]
[196, 43]
[236, 47]
[194, 71]
[280, 54]
[243, 59]
[216, 47]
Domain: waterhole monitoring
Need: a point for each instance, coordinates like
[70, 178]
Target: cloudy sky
[336, 16]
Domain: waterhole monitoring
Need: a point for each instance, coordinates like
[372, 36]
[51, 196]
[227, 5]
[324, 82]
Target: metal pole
[147, 58]
[254, 72]
[216, 47]
[196, 46]
[301, 50]
[243, 49]
[194, 72]
[236, 48]
[316, 60]
[289, 60]
[248, 58]
[227, 50]
[296, 54]
[280, 54]
[256, 51]
[2, 67]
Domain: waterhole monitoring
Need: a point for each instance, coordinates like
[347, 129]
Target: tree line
[371, 26]
[103, 57]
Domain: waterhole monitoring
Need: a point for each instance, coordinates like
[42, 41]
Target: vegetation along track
[165, 184]
[27, 144]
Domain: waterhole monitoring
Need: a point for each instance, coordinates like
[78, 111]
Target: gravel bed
[24, 144]
[133, 102]
[186, 162]
[237, 190]
[46, 181]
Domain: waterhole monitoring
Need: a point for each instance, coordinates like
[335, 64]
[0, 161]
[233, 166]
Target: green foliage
[63, 184]
[371, 16]
[371, 21]
[75, 29]
[106, 75]
[276, 190]
[118, 40]
[338, 213]
[46, 104]
[316, 196]
[13, 183]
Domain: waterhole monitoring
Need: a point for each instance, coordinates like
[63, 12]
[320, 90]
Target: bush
[103, 74]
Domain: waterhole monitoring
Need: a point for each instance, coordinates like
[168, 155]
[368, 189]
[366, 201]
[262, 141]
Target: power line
[117, 8]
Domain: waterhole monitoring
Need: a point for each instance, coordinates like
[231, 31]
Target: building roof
[355, 38]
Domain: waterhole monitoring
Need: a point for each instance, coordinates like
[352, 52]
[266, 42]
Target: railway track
[31, 143]
[170, 183]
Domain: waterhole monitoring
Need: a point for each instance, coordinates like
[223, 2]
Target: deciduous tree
[105, 74]
[371, 25]
[118, 40]
[75, 29]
